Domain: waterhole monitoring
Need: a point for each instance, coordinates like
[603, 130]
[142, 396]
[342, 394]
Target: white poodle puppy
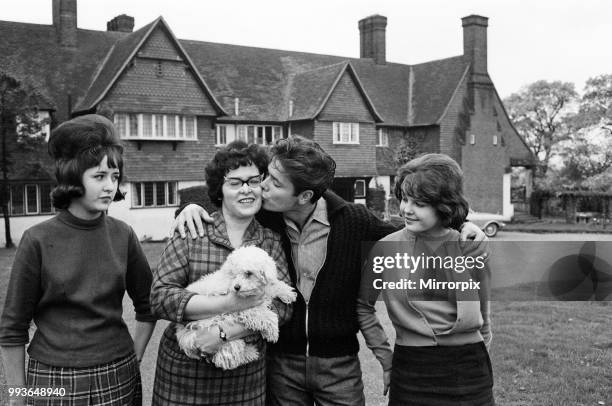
[246, 271]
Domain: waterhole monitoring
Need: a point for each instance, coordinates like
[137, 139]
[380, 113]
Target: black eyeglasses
[236, 183]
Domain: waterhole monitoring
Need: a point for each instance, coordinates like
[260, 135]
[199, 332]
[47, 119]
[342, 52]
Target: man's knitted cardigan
[328, 326]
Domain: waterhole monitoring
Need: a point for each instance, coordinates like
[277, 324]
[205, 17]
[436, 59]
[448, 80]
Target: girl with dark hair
[442, 334]
[234, 178]
[70, 275]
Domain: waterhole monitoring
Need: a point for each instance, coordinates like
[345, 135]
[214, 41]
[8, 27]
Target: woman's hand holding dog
[202, 307]
[208, 340]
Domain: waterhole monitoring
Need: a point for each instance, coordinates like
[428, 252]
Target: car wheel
[490, 230]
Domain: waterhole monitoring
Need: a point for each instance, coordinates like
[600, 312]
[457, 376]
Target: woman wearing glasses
[234, 179]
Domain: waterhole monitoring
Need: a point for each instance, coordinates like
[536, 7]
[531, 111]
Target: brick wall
[157, 161]
[451, 131]
[419, 140]
[484, 163]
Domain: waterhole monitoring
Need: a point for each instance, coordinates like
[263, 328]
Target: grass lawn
[543, 353]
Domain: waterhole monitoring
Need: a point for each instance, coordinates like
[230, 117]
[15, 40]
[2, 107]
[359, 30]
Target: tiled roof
[258, 77]
[434, 84]
[310, 89]
[31, 52]
[388, 87]
[111, 66]
[264, 80]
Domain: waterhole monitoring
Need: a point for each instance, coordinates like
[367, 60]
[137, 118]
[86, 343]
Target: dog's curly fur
[245, 271]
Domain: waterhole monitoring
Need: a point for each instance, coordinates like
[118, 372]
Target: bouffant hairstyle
[80, 144]
[308, 166]
[436, 180]
[232, 156]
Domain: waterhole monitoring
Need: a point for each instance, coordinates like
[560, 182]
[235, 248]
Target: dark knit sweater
[331, 311]
[70, 277]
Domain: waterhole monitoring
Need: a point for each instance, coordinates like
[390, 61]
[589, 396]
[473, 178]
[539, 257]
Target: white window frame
[361, 182]
[341, 128]
[25, 207]
[222, 134]
[147, 120]
[23, 204]
[138, 188]
[240, 132]
[382, 137]
[27, 200]
[157, 134]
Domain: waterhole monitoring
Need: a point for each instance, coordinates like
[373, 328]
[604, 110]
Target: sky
[528, 40]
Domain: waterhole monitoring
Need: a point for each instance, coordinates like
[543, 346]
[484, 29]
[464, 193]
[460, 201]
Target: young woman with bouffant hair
[80, 144]
[70, 275]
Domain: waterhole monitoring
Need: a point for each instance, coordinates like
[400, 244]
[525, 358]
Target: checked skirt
[113, 384]
[180, 380]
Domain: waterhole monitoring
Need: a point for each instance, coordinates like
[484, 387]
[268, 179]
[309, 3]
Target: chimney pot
[372, 35]
[121, 23]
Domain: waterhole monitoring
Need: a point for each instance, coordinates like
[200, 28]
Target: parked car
[488, 222]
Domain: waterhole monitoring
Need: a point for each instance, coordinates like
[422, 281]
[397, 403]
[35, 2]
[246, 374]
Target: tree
[19, 130]
[539, 112]
[596, 103]
[587, 152]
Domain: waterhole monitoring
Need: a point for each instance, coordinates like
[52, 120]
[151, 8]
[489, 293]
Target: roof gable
[123, 53]
[311, 90]
[111, 67]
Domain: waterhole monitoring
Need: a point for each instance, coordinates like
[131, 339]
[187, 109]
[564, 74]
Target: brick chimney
[372, 36]
[65, 22]
[475, 46]
[121, 23]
